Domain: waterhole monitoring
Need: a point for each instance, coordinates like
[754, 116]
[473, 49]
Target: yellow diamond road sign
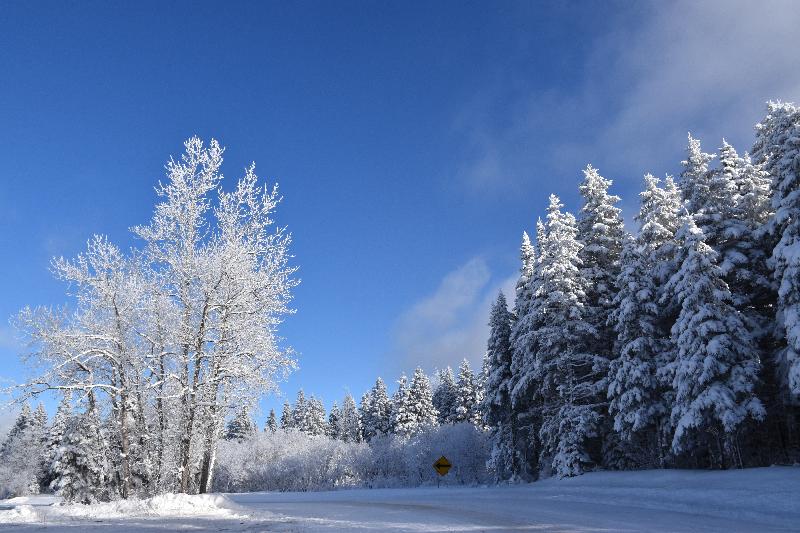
[442, 465]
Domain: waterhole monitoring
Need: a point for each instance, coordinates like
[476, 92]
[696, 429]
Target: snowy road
[752, 500]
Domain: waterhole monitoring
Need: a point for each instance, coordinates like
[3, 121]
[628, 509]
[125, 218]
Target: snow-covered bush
[290, 460]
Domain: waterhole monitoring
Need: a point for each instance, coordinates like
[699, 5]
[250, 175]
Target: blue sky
[413, 141]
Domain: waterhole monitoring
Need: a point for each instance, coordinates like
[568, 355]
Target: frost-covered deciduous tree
[166, 338]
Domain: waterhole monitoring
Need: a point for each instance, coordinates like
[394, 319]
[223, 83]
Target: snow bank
[163, 506]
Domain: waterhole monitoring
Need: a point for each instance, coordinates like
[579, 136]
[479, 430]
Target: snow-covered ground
[766, 499]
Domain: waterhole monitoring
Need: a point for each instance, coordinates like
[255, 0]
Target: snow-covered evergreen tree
[445, 396]
[716, 367]
[22, 453]
[53, 440]
[241, 426]
[81, 465]
[349, 421]
[497, 409]
[567, 370]
[601, 232]
[695, 177]
[637, 401]
[376, 411]
[523, 432]
[272, 422]
[413, 406]
[318, 425]
[334, 421]
[287, 416]
[301, 414]
[467, 404]
[777, 148]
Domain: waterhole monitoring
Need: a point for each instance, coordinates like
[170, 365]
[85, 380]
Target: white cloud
[705, 66]
[449, 324]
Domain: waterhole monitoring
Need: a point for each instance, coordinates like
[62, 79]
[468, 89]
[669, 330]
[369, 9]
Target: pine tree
[467, 404]
[23, 452]
[301, 413]
[287, 416]
[566, 369]
[272, 422]
[444, 397]
[716, 368]
[81, 466]
[413, 407]
[376, 411]
[777, 149]
[241, 426]
[637, 402]
[318, 425]
[523, 433]
[497, 400]
[54, 438]
[349, 421]
[695, 178]
[334, 421]
[602, 233]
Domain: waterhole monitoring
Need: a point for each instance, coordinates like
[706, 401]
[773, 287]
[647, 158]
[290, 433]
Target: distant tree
[241, 426]
[445, 396]
[467, 405]
[376, 411]
[287, 416]
[349, 421]
[272, 422]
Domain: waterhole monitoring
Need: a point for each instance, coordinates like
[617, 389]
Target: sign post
[442, 467]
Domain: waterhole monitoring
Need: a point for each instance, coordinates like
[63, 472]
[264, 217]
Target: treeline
[676, 346]
[415, 406]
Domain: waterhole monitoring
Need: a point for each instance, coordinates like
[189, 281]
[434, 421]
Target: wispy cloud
[705, 66]
[449, 324]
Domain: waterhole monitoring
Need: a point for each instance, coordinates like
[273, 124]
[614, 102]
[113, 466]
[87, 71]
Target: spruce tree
[637, 403]
[334, 420]
[777, 149]
[467, 401]
[444, 397]
[497, 408]
[241, 426]
[53, 441]
[287, 416]
[318, 425]
[376, 411]
[81, 465]
[349, 421]
[716, 366]
[272, 422]
[565, 370]
[525, 405]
